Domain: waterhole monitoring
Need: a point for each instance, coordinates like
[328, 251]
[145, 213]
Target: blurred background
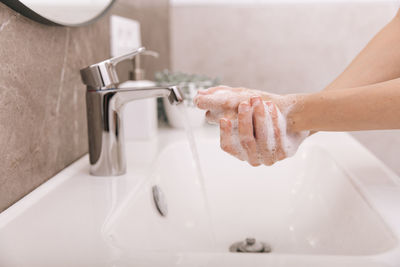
[278, 46]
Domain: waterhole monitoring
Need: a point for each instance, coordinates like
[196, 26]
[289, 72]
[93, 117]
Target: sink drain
[250, 245]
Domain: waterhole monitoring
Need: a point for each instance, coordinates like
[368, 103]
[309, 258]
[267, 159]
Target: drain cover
[250, 245]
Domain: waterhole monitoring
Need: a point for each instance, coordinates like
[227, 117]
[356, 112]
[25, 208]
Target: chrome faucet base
[105, 126]
[105, 104]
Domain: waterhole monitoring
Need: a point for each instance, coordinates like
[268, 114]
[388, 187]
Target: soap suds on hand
[223, 103]
[289, 141]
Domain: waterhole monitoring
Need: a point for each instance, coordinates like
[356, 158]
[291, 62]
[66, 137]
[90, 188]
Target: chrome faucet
[105, 104]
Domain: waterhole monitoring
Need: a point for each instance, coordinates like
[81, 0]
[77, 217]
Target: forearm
[370, 107]
[379, 61]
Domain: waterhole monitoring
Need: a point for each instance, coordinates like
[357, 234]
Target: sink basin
[332, 204]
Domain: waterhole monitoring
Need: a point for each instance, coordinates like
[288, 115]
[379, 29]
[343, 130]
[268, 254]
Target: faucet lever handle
[103, 75]
[139, 72]
[150, 53]
[129, 56]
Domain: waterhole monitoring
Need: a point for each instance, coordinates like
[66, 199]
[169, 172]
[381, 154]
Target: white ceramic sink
[333, 204]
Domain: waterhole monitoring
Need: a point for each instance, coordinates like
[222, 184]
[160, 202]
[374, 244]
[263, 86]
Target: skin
[371, 107]
[252, 137]
[366, 96]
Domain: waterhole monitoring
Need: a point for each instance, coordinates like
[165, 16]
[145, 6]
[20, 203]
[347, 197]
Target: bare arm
[379, 61]
[366, 96]
[371, 107]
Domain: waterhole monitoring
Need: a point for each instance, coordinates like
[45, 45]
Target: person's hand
[223, 101]
[253, 124]
[261, 136]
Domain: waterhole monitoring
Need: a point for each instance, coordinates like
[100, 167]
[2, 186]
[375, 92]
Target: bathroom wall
[42, 104]
[280, 46]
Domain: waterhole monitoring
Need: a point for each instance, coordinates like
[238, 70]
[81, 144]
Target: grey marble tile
[42, 99]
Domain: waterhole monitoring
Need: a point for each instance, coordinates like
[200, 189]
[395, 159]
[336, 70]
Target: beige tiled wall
[42, 100]
[281, 48]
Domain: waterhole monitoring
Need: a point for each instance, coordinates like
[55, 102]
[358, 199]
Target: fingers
[260, 125]
[226, 138]
[246, 133]
[279, 152]
[206, 100]
[221, 98]
[260, 130]
[214, 117]
[213, 102]
[211, 90]
[211, 117]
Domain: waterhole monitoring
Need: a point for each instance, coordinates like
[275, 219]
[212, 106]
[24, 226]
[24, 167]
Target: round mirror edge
[19, 7]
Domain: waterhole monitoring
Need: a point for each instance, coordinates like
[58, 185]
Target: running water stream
[196, 160]
[115, 251]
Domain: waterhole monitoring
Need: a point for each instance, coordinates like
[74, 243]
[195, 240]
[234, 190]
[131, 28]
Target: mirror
[61, 12]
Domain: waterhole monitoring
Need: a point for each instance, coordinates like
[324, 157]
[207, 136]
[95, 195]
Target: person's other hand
[223, 101]
[261, 136]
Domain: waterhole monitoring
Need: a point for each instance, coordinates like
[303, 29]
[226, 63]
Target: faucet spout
[127, 94]
[105, 125]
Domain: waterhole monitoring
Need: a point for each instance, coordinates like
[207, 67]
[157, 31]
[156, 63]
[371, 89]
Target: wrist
[293, 107]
